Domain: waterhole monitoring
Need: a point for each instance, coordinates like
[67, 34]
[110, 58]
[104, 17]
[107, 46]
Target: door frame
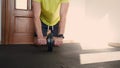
[6, 15]
[6, 10]
[5, 20]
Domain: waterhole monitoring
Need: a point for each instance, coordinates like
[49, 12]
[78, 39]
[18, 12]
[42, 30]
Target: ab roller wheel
[50, 42]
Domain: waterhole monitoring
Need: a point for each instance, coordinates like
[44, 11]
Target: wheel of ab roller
[50, 42]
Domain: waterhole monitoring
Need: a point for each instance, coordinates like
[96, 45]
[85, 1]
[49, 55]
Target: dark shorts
[54, 30]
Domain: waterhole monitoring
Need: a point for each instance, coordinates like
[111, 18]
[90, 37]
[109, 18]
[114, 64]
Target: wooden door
[19, 26]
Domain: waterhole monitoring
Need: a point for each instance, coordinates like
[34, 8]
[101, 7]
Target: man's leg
[55, 30]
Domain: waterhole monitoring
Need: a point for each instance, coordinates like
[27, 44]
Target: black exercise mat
[30, 56]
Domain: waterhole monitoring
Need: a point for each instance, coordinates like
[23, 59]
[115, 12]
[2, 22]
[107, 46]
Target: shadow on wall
[110, 9]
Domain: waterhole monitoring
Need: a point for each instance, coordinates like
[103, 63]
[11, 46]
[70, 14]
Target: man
[50, 14]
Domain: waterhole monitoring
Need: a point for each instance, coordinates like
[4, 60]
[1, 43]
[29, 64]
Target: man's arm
[63, 14]
[37, 12]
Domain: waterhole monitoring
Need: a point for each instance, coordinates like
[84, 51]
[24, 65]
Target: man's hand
[41, 41]
[58, 41]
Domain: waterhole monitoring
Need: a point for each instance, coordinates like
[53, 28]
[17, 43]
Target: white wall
[93, 23]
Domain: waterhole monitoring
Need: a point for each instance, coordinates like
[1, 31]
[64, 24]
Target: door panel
[26, 40]
[21, 24]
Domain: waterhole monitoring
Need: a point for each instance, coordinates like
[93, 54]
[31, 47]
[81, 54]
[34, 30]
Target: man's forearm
[38, 27]
[63, 13]
[62, 25]
[37, 12]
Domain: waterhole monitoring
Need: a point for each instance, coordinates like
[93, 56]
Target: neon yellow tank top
[50, 11]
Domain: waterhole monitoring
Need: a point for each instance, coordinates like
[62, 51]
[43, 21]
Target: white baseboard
[68, 41]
